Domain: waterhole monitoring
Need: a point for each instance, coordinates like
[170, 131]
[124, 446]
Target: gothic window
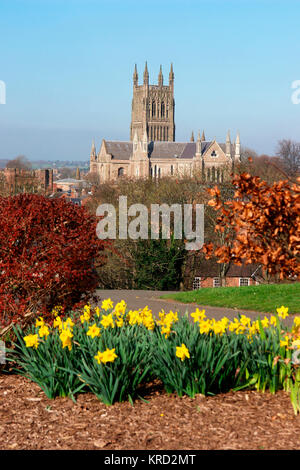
[159, 172]
[213, 174]
[218, 175]
[163, 109]
[120, 171]
[167, 111]
[208, 174]
[172, 170]
[214, 154]
[153, 109]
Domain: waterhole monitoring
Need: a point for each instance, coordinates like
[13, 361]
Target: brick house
[207, 274]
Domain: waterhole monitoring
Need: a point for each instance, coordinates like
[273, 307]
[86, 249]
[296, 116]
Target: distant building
[19, 180]
[152, 150]
[71, 184]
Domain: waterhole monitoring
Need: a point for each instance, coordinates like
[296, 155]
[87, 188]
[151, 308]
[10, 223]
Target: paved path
[136, 299]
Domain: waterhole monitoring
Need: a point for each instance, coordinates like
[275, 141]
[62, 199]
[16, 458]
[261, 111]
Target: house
[208, 275]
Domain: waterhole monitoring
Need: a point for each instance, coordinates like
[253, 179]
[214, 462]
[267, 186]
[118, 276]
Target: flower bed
[113, 352]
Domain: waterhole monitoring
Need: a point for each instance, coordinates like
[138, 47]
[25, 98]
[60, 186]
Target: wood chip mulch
[245, 420]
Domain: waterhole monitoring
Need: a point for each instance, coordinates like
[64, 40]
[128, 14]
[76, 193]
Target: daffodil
[85, 317]
[44, 331]
[245, 321]
[182, 352]
[31, 341]
[296, 321]
[204, 327]
[39, 322]
[93, 331]
[56, 310]
[198, 315]
[107, 304]
[106, 356]
[284, 342]
[119, 322]
[120, 308]
[57, 323]
[265, 322]
[65, 338]
[283, 312]
[107, 320]
[97, 311]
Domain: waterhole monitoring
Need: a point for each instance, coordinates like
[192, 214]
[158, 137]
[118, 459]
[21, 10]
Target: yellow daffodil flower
[107, 320]
[182, 352]
[283, 312]
[120, 308]
[57, 323]
[65, 338]
[198, 315]
[39, 322]
[107, 304]
[43, 331]
[106, 356]
[31, 341]
[93, 331]
[284, 342]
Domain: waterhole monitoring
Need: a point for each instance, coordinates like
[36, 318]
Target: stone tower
[153, 108]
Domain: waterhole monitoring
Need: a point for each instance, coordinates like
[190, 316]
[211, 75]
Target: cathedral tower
[153, 108]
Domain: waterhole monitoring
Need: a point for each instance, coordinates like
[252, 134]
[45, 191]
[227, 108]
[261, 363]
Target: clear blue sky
[68, 67]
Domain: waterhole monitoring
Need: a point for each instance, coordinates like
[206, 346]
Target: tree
[266, 224]
[49, 252]
[158, 264]
[20, 162]
[289, 154]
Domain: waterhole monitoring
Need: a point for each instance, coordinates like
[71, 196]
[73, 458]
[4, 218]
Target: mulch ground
[245, 420]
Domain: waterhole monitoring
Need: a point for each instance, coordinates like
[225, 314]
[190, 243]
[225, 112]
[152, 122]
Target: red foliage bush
[48, 254]
[266, 223]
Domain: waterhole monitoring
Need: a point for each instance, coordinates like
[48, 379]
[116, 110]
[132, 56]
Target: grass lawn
[261, 298]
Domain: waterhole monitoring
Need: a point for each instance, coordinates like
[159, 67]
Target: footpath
[136, 299]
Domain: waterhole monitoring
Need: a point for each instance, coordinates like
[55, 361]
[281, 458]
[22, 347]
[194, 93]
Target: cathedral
[152, 150]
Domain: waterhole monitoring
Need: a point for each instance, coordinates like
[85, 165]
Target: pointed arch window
[213, 174]
[162, 109]
[153, 109]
